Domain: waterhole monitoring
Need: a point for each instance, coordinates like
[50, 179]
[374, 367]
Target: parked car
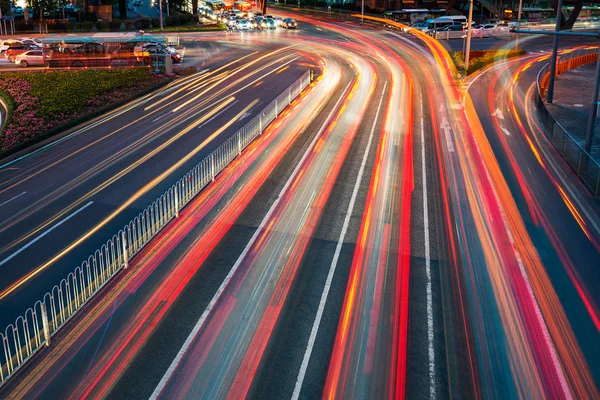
[14, 50]
[485, 27]
[5, 44]
[154, 49]
[31, 57]
[452, 28]
[289, 23]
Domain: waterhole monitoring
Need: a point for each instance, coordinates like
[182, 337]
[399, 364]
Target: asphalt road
[54, 197]
[385, 238]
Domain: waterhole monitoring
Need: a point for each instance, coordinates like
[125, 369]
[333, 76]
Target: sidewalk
[572, 98]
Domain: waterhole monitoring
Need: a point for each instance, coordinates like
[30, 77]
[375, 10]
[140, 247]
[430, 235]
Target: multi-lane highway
[395, 233]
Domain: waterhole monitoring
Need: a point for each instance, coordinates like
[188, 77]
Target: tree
[122, 9]
[42, 5]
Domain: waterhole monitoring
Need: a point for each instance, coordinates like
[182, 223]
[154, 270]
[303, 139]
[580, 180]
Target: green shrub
[480, 58]
[86, 26]
[57, 27]
[103, 26]
[186, 18]
[115, 25]
[91, 17]
[21, 26]
[155, 22]
[142, 23]
[128, 24]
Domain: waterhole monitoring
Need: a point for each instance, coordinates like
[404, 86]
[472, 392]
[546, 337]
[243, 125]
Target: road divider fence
[34, 329]
[586, 166]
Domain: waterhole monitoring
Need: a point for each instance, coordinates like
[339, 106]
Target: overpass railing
[34, 329]
[586, 166]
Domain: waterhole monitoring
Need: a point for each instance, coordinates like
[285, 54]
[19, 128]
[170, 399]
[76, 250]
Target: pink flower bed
[25, 122]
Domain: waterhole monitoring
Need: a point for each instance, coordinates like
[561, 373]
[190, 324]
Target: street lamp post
[362, 12]
[519, 23]
[593, 110]
[554, 53]
[469, 24]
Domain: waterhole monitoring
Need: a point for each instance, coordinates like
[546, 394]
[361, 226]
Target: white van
[438, 24]
[458, 19]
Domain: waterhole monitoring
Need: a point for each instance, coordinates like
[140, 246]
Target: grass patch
[481, 58]
[191, 27]
[51, 101]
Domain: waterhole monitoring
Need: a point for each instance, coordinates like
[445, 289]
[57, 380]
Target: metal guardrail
[476, 33]
[34, 329]
[583, 164]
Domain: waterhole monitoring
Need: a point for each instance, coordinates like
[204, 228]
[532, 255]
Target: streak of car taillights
[267, 269]
[254, 161]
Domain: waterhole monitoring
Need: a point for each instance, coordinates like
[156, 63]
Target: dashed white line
[13, 255]
[336, 255]
[9, 200]
[430, 333]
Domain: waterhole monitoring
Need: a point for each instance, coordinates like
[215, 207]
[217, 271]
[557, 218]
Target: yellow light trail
[15, 286]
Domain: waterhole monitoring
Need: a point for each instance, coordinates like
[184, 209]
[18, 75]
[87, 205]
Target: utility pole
[362, 12]
[554, 53]
[161, 14]
[519, 23]
[469, 24]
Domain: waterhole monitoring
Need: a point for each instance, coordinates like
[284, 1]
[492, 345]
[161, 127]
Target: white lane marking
[216, 115]
[9, 200]
[315, 328]
[506, 131]
[430, 350]
[44, 234]
[167, 376]
[498, 114]
[445, 126]
[161, 117]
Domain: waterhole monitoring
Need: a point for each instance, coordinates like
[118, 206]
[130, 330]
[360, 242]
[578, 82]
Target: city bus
[410, 17]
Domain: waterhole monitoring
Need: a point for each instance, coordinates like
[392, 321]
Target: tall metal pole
[469, 23]
[593, 109]
[519, 23]
[161, 14]
[554, 53]
[362, 12]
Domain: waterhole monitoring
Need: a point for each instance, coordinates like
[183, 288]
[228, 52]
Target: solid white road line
[9, 200]
[430, 350]
[315, 328]
[165, 379]
[44, 234]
